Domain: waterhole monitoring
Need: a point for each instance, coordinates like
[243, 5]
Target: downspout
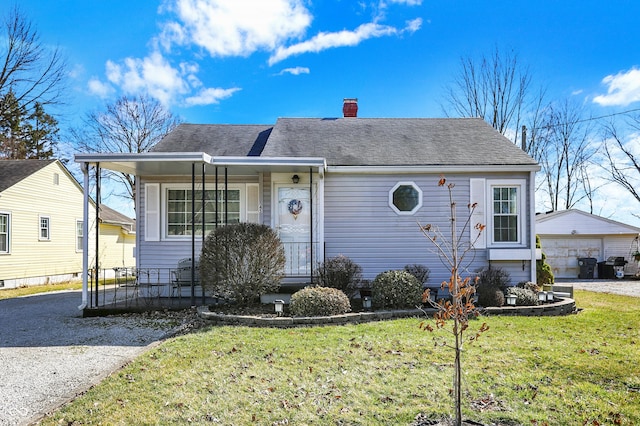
[311, 220]
[97, 280]
[532, 221]
[204, 222]
[193, 234]
[85, 238]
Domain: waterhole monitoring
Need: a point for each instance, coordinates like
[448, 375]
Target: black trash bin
[607, 269]
[587, 267]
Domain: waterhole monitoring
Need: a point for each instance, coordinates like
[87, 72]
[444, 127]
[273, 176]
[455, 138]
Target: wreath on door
[295, 207]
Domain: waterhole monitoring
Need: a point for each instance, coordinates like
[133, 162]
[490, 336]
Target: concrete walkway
[625, 287]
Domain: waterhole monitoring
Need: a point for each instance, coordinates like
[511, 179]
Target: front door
[293, 223]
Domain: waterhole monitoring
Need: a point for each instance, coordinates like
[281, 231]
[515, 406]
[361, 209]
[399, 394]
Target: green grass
[573, 370]
[10, 293]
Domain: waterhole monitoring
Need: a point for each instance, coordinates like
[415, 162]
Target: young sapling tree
[453, 315]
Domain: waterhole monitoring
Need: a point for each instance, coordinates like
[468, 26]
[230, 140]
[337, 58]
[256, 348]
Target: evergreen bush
[524, 296]
[396, 290]
[319, 301]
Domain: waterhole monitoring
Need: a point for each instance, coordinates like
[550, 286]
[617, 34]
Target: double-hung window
[45, 228]
[508, 212]
[5, 223]
[179, 210]
[79, 234]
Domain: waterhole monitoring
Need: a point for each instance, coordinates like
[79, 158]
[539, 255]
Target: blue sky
[252, 61]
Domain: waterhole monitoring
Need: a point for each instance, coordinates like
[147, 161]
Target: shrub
[494, 277]
[524, 296]
[529, 286]
[544, 274]
[490, 296]
[339, 272]
[396, 289]
[319, 301]
[241, 262]
[421, 272]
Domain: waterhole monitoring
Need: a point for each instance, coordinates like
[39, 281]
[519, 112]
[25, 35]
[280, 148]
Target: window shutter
[152, 212]
[253, 203]
[477, 196]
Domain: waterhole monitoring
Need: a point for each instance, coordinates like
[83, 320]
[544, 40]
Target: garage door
[563, 253]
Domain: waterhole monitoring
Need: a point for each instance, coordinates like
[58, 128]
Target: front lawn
[573, 370]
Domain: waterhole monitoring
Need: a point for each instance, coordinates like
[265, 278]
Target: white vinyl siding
[5, 232]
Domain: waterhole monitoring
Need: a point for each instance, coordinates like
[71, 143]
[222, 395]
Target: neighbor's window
[179, 215]
[79, 234]
[45, 231]
[405, 198]
[506, 214]
[4, 232]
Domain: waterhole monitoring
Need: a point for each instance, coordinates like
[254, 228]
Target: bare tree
[622, 156]
[129, 125]
[564, 150]
[495, 88]
[28, 68]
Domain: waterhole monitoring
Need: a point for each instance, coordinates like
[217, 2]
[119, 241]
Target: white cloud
[295, 71]
[210, 96]
[222, 28]
[324, 41]
[623, 89]
[234, 28]
[407, 2]
[100, 89]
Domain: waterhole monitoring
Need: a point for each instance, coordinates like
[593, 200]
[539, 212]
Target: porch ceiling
[179, 164]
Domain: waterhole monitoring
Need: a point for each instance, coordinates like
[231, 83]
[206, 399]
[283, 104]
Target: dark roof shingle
[356, 141]
[13, 171]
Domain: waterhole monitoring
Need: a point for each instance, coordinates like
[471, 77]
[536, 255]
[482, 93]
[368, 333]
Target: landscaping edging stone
[564, 306]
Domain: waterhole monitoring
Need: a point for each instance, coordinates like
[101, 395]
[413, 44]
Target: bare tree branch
[30, 70]
[129, 125]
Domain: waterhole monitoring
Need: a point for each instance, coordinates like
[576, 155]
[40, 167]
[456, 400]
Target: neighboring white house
[568, 235]
[330, 186]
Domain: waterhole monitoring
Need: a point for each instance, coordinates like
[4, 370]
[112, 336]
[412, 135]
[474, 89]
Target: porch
[181, 197]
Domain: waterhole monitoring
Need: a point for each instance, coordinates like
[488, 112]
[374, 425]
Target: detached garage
[569, 235]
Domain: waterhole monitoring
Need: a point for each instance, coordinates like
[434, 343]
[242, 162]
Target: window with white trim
[405, 198]
[5, 227]
[507, 211]
[177, 209]
[45, 228]
[79, 234]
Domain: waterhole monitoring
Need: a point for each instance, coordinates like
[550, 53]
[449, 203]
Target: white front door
[293, 223]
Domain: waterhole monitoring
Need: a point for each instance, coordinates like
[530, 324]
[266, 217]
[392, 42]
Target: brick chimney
[350, 107]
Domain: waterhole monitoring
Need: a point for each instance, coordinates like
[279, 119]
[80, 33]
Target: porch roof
[179, 163]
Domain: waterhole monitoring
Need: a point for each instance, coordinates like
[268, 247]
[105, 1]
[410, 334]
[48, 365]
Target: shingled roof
[13, 171]
[356, 141]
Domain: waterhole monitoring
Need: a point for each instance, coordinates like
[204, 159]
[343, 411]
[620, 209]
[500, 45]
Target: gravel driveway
[626, 287]
[49, 353]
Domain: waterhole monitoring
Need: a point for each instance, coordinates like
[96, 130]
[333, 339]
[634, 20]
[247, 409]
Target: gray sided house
[336, 186]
